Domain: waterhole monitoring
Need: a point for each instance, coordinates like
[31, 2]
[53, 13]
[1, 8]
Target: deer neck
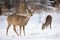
[27, 17]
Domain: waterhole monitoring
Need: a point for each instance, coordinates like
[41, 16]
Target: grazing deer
[48, 22]
[18, 20]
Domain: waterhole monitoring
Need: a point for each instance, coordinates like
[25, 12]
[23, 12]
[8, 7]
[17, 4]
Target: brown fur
[48, 22]
[18, 20]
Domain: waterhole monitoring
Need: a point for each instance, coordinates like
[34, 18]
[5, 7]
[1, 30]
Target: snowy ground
[33, 28]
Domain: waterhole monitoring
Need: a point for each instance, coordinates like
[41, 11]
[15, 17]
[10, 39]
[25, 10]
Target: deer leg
[7, 29]
[24, 29]
[15, 30]
[20, 30]
[50, 25]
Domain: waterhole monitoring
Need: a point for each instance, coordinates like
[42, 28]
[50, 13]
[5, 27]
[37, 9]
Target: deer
[47, 22]
[19, 20]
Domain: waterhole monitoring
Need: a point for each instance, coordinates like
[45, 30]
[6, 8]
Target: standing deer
[48, 22]
[18, 20]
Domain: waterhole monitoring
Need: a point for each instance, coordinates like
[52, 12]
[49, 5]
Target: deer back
[48, 20]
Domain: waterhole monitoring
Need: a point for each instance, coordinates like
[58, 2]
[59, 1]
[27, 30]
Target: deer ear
[26, 10]
[31, 10]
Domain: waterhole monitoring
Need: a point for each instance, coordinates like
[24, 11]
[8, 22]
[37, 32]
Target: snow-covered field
[33, 28]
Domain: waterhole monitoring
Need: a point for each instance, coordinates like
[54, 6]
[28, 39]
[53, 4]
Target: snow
[33, 28]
